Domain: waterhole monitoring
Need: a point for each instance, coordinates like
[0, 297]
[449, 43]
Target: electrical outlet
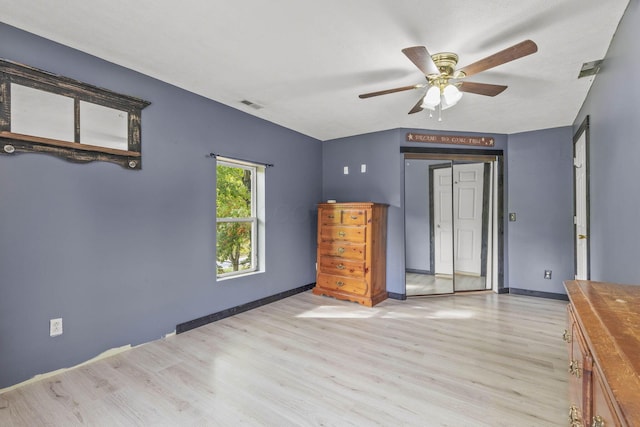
[512, 216]
[547, 274]
[55, 327]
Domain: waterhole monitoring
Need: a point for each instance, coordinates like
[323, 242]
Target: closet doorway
[453, 205]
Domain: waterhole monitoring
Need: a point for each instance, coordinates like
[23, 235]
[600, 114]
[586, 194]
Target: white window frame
[256, 219]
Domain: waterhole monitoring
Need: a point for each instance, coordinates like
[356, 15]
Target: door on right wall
[581, 210]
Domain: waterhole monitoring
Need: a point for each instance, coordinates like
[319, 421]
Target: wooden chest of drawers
[603, 342]
[352, 245]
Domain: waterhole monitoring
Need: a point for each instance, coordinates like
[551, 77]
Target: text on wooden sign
[483, 141]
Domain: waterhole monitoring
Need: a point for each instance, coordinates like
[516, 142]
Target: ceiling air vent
[590, 68]
[251, 104]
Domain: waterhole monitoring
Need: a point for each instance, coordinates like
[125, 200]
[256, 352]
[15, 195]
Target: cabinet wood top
[609, 314]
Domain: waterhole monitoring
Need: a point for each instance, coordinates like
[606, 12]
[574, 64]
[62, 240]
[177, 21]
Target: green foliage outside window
[235, 225]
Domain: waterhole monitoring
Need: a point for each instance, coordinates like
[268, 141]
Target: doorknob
[582, 236]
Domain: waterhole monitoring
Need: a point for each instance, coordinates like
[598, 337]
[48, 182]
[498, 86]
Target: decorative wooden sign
[482, 141]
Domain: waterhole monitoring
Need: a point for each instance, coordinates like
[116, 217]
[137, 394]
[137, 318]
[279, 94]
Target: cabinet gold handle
[574, 368]
[597, 421]
[354, 216]
[566, 336]
[574, 417]
[342, 233]
[340, 266]
[340, 250]
[330, 216]
[340, 283]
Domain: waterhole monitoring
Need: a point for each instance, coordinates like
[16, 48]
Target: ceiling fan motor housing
[446, 63]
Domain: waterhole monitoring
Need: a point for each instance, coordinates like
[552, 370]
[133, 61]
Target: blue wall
[123, 256]
[383, 182]
[541, 195]
[612, 106]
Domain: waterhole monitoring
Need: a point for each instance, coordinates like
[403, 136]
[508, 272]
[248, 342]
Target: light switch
[363, 168]
[346, 170]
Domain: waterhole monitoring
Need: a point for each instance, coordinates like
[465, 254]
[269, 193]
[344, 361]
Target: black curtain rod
[215, 156]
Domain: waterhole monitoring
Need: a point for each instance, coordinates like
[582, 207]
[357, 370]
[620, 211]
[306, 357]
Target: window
[45, 113]
[239, 207]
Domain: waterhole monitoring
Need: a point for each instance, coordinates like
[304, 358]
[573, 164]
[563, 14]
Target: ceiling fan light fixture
[432, 98]
[451, 95]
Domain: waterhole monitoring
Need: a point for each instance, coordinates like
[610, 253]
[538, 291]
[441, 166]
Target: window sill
[236, 276]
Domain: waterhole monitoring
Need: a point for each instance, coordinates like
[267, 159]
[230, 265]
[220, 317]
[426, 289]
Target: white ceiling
[306, 62]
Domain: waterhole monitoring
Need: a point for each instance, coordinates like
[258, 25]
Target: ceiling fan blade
[418, 107]
[481, 88]
[422, 59]
[519, 50]
[384, 92]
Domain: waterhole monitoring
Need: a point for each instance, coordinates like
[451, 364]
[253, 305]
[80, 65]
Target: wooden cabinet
[603, 343]
[352, 245]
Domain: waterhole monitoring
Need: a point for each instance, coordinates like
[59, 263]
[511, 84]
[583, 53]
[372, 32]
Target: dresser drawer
[344, 284]
[354, 217]
[347, 234]
[330, 216]
[575, 372]
[343, 216]
[342, 249]
[342, 266]
[602, 413]
[580, 370]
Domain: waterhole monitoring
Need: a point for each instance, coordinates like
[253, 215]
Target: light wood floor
[463, 360]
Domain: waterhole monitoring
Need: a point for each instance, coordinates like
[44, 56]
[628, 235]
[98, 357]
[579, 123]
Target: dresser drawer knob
[574, 417]
[354, 216]
[574, 368]
[330, 216]
[342, 233]
[597, 421]
[566, 336]
[340, 266]
[340, 283]
[340, 250]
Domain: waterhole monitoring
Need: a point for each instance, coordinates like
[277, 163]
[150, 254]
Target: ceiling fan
[444, 80]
